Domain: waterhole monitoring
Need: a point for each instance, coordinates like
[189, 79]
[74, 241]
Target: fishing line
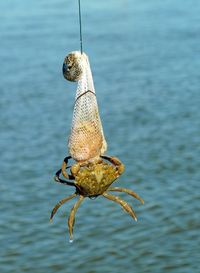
[80, 26]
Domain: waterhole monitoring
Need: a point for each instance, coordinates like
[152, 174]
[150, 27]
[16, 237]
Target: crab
[92, 178]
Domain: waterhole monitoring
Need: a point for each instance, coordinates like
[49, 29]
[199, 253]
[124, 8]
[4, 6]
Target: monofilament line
[80, 26]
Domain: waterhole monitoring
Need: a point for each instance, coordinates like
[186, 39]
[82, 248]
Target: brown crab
[91, 179]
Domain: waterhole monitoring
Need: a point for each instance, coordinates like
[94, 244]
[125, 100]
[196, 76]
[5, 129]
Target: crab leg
[116, 162]
[130, 192]
[64, 166]
[60, 203]
[71, 219]
[123, 203]
[58, 179]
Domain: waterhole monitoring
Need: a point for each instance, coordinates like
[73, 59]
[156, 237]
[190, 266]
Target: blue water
[145, 61]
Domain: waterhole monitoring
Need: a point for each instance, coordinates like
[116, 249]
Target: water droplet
[71, 241]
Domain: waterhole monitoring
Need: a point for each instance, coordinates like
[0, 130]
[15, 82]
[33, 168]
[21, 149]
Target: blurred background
[145, 61]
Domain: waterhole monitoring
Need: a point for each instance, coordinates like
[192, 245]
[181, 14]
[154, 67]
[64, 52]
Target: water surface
[145, 61]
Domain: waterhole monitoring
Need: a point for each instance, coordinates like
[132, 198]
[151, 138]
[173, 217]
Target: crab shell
[95, 179]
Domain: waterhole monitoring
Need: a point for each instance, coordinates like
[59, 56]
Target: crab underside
[93, 179]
